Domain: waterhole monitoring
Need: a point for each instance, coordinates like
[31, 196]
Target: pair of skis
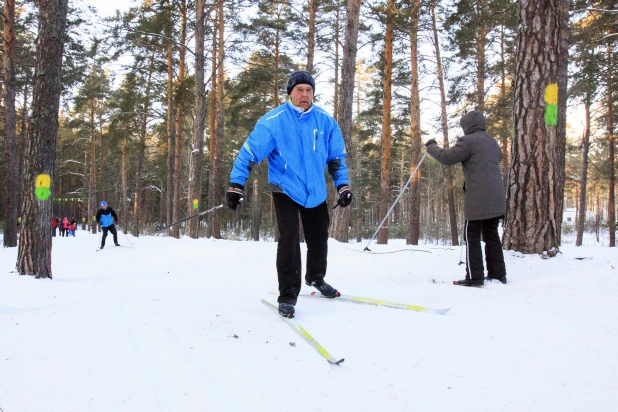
[347, 298]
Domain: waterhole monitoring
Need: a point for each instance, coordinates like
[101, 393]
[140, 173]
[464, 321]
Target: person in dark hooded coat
[484, 197]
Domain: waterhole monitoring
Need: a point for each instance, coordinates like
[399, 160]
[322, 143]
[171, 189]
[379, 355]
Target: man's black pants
[315, 223]
[494, 257]
[112, 230]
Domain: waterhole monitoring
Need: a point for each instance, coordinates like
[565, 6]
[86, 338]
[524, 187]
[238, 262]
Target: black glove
[430, 142]
[345, 195]
[233, 197]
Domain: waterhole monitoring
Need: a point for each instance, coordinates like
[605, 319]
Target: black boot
[469, 282]
[501, 279]
[286, 309]
[325, 289]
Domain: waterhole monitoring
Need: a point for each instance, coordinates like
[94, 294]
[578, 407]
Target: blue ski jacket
[107, 217]
[299, 145]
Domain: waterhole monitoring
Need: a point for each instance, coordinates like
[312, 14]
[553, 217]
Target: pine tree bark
[124, 182]
[217, 167]
[175, 230]
[313, 6]
[92, 201]
[536, 176]
[256, 215]
[583, 181]
[448, 175]
[611, 203]
[341, 216]
[414, 193]
[138, 205]
[169, 195]
[336, 68]
[212, 114]
[385, 164]
[10, 119]
[35, 245]
[197, 146]
[504, 111]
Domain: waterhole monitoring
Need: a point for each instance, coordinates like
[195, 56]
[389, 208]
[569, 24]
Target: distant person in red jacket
[73, 226]
[64, 227]
[54, 226]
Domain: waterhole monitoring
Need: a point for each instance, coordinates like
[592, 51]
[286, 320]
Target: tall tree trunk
[448, 175]
[480, 66]
[34, 255]
[169, 196]
[385, 165]
[217, 165]
[138, 206]
[611, 204]
[356, 146]
[336, 95]
[536, 177]
[504, 110]
[256, 217]
[22, 149]
[583, 181]
[179, 120]
[92, 201]
[276, 68]
[212, 114]
[341, 216]
[197, 147]
[124, 183]
[101, 154]
[414, 194]
[10, 118]
[313, 5]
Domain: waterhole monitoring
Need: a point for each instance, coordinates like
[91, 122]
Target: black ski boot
[325, 289]
[469, 282]
[501, 279]
[286, 309]
[102, 246]
[117, 244]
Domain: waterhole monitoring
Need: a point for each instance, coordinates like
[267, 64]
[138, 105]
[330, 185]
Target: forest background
[135, 130]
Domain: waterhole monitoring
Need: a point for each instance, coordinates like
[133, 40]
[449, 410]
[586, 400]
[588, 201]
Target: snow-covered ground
[177, 325]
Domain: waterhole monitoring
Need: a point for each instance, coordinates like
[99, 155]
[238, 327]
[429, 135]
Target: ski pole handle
[159, 228]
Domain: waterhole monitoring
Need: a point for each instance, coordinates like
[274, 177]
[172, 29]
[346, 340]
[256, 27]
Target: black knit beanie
[300, 77]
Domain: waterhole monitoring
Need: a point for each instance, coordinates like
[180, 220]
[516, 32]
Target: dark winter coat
[107, 217]
[480, 156]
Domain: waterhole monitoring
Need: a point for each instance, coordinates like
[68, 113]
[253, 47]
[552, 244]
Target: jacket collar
[299, 110]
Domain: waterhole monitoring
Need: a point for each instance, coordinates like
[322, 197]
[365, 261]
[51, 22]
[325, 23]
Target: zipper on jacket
[315, 138]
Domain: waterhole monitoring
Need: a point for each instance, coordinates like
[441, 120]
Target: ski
[379, 302]
[305, 335]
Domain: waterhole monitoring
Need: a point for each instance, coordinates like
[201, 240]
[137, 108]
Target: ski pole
[461, 262]
[394, 203]
[126, 237]
[158, 228]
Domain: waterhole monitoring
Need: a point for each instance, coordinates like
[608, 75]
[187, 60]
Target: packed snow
[178, 325]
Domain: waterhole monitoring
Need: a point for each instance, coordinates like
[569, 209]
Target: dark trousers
[488, 229]
[112, 230]
[315, 226]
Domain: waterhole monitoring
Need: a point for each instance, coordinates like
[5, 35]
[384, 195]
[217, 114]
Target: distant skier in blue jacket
[106, 218]
[300, 140]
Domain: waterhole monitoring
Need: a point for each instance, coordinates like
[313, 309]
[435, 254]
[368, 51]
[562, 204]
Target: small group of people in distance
[66, 228]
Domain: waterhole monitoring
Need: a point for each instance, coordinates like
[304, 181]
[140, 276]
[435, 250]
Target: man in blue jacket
[300, 140]
[106, 218]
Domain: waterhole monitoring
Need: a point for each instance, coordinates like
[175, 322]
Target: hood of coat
[472, 122]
